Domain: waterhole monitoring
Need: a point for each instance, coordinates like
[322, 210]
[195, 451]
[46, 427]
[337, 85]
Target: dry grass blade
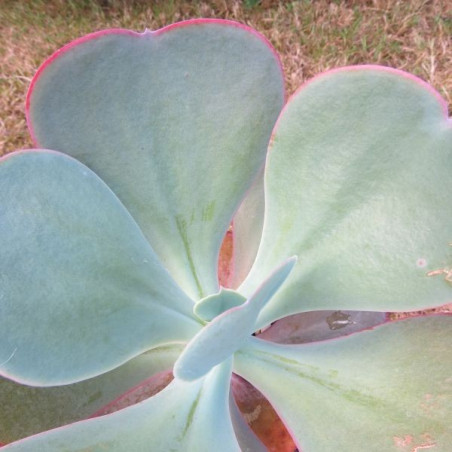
[310, 37]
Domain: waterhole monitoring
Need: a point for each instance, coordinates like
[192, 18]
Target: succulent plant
[148, 145]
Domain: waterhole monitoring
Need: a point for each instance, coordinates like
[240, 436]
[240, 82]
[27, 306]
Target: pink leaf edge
[367, 67]
[147, 32]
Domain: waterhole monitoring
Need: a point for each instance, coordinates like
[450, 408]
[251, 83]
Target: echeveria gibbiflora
[110, 232]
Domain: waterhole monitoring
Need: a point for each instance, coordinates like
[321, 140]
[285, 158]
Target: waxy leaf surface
[210, 307]
[356, 184]
[176, 122]
[81, 290]
[385, 388]
[29, 410]
[230, 330]
[179, 418]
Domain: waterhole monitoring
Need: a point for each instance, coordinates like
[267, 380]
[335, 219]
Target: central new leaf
[228, 331]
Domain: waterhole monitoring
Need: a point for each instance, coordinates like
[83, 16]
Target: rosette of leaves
[110, 231]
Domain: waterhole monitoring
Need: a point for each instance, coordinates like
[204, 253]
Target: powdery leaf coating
[174, 419]
[177, 122]
[364, 389]
[229, 330]
[29, 410]
[354, 185]
[82, 291]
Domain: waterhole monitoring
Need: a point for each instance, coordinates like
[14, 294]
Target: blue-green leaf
[230, 330]
[376, 390]
[355, 186]
[213, 305]
[26, 410]
[81, 290]
[175, 121]
[182, 417]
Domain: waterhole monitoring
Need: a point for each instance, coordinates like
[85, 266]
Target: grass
[310, 36]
